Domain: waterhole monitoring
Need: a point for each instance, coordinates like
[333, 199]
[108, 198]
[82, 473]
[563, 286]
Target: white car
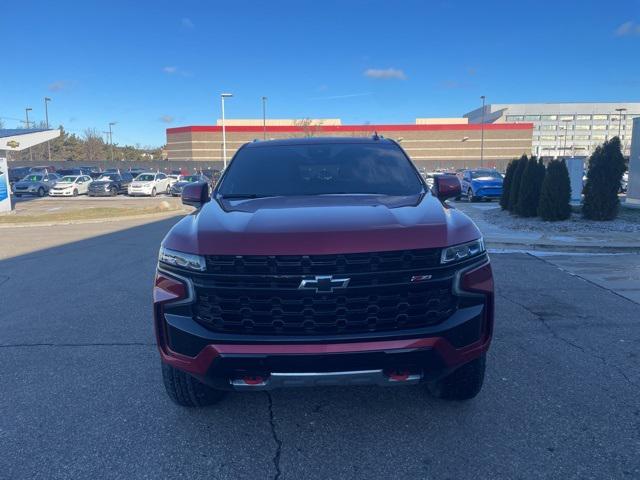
[174, 178]
[71, 186]
[149, 184]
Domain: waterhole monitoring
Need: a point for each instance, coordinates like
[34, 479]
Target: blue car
[481, 184]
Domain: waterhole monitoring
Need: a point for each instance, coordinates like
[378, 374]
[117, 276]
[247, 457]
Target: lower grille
[347, 310]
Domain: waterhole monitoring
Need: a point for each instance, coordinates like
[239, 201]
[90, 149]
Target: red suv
[322, 261]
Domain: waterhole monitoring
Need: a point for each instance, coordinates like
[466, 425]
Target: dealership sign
[5, 190]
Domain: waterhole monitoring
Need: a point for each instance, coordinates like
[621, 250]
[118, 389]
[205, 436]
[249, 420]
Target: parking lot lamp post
[224, 130]
[482, 134]
[46, 119]
[620, 110]
[111, 124]
[264, 118]
[566, 131]
[26, 111]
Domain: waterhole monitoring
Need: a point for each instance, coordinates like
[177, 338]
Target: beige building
[430, 145]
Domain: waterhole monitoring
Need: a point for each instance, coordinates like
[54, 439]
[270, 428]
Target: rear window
[321, 169]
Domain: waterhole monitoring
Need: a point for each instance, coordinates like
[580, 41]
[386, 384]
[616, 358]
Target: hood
[26, 183]
[487, 181]
[320, 225]
[180, 184]
[101, 182]
[63, 185]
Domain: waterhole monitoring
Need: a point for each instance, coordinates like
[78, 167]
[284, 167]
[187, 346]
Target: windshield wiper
[234, 196]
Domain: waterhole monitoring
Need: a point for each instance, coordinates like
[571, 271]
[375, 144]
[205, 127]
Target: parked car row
[109, 183]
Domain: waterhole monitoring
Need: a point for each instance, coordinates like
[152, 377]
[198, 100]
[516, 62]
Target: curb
[168, 214]
[546, 247]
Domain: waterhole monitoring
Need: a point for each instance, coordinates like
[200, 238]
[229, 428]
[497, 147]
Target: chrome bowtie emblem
[323, 283]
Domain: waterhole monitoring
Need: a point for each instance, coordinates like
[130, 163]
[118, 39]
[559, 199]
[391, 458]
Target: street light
[111, 124]
[482, 134]
[620, 110]
[46, 117]
[224, 130]
[26, 111]
[264, 118]
[566, 129]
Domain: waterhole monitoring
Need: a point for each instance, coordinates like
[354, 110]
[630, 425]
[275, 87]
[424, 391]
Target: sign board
[5, 189]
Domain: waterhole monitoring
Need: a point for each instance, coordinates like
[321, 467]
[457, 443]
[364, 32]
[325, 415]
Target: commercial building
[430, 145]
[565, 129]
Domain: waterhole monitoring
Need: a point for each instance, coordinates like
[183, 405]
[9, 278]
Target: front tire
[41, 192]
[186, 391]
[153, 192]
[75, 193]
[463, 384]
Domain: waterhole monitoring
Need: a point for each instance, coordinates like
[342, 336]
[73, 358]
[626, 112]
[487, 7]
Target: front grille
[260, 294]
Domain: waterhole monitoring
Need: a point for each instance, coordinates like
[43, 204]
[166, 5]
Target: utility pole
[46, 116]
[264, 118]
[620, 110]
[26, 111]
[224, 131]
[111, 138]
[482, 134]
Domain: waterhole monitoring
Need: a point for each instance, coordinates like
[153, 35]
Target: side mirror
[195, 194]
[446, 186]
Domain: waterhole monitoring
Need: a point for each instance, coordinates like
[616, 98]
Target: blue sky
[153, 65]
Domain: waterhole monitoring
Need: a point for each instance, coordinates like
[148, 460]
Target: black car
[110, 184]
[176, 188]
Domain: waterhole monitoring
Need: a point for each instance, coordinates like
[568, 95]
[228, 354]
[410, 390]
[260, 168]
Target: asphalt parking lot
[81, 395]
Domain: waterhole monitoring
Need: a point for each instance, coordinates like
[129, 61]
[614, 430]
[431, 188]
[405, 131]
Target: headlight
[183, 260]
[463, 251]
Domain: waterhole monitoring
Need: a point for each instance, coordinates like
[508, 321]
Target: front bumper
[241, 362]
[60, 193]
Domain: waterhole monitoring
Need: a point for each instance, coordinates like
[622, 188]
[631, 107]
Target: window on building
[583, 117]
[547, 127]
[532, 118]
[547, 137]
[583, 127]
[600, 117]
[599, 127]
[549, 117]
[581, 137]
[566, 117]
[515, 118]
[565, 126]
[598, 137]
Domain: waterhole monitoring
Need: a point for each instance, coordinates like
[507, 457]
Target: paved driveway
[81, 397]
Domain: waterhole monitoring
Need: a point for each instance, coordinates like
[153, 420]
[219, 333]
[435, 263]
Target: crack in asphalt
[591, 282]
[274, 434]
[112, 344]
[556, 335]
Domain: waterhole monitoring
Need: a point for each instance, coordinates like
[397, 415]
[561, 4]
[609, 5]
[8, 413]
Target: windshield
[494, 174]
[68, 179]
[108, 176]
[32, 178]
[320, 169]
[145, 177]
[191, 178]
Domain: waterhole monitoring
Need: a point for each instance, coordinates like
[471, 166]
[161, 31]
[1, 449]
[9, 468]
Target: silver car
[35, 184]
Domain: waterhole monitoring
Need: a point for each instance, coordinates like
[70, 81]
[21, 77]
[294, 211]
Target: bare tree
[309, 128]
[93, 144]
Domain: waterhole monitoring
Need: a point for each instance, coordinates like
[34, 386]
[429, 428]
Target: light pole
[566, 130]
[111, 124]
[482, 134]
[620, 110]
[26, 111]
[224, 130]
[46, 117]
[264, 118]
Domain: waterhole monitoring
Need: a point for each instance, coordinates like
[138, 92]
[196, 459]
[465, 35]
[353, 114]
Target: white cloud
[187, 23]
[627, 29]
[170, 70]
[57, 86]
[385, 73]
[167, 118]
